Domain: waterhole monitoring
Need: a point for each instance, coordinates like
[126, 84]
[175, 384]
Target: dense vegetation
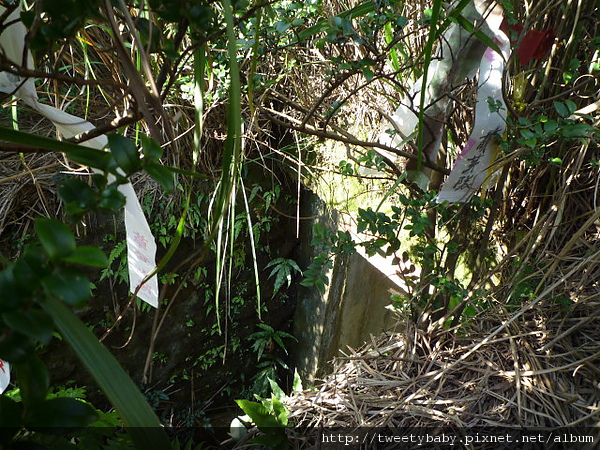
[222, 114]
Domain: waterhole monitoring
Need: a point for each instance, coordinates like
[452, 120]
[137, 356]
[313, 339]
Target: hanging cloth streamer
[141, 246]
[456, 59]
[459, 57]
[473, 167]
[4, 375]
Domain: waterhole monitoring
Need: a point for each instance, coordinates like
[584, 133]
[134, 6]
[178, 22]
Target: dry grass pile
[537, 369]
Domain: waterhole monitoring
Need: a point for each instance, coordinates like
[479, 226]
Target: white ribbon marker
[459, 57]
[474, 164]
[4, 375]
[141, 247]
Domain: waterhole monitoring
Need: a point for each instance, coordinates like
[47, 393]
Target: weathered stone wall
[352, 308]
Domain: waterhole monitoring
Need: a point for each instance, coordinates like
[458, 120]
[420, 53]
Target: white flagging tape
[473, 166]
[448, 65]
[453, 63]
[141, 247]
[4, 375]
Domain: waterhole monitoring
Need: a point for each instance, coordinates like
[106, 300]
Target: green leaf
[527, 134]
[561, 109]
[69, 286]
[34, 381]
[281, 413]
[279, 342]
[479, 35]
[571, 106]
[297, 383]
[88, 255]
[283, 275]
[77, 153]
[61, 412]
[577, 130]
[77, 195]
[531, 142]
[11, 297]
[111, 199]
[152, 149]
[56, 238]
[259, 414]
[162, 175]
[125, 153]
[275, 389]
[35, 324]
[143, 425]
[29, 269]
[16, 347]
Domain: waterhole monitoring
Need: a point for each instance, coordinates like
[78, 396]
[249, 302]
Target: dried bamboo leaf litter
[538, 371]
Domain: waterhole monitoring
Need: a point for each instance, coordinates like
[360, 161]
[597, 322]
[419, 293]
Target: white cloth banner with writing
[141, 247]
[4, 375]
[474, 164]
[459, 57]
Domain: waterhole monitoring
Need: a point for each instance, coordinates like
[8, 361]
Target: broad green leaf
[61, 412]
[8, 286]
[259, 413]
[143, 425]
[577, 130]
[297, 383]
[88, 255]
[280, 411]
[561, 109]
[16, 347]
[111, 199]
[69, 286]
[527, 134]
[162, 175]
[29, 269]
[56, 238]
[152, 149]
[77, 195]
[276, 390]
[572, 107]
[35, 324]
[34, 381]
[124, 152]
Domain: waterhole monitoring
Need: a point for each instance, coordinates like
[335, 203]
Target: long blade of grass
[253, 247]
[140, 420]
[232, 157]
[232, 153]
[254, 60]
[77, 153]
